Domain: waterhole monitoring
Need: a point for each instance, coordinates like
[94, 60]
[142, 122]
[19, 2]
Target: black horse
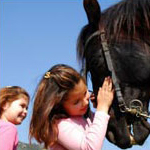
[126, 26]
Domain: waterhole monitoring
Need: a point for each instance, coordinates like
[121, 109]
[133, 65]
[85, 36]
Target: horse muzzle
[124, 130]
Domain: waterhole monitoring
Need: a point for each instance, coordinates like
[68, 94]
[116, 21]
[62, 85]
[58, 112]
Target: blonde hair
[9, 94]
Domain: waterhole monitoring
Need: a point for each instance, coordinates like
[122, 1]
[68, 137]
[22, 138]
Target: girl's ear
[6, 106]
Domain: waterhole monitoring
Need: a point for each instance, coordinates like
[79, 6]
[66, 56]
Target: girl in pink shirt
[61, 119]
[13, 110]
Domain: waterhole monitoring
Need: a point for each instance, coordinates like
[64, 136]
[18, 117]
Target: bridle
[135, 106]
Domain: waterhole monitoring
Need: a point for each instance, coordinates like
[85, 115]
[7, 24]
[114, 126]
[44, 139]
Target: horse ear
[93, 11]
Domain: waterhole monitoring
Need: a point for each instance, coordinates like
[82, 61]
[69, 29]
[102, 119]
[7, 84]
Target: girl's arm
[73, 138]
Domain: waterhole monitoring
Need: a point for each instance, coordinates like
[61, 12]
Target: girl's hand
[105, 95]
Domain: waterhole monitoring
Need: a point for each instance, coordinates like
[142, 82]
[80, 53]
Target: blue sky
[35, 35]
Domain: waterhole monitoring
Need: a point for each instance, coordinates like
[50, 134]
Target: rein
[135, 106]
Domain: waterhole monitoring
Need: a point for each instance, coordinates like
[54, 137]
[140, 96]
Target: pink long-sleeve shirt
[8, 136]
[77, 133]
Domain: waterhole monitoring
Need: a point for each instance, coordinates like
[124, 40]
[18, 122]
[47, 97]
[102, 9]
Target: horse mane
[128, 17]
[81, 42]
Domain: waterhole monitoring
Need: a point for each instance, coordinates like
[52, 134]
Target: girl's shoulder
[8, 131]
[7, 125]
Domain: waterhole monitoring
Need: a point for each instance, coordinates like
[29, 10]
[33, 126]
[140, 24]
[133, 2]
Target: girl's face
[16, 111]
[78, 100]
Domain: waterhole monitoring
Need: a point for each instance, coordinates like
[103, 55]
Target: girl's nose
[86, 99]
[88, 94]
[25, 111]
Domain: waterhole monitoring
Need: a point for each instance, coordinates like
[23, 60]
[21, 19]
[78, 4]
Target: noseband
[135, 106]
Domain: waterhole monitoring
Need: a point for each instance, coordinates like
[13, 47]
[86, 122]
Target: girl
[13, 110]
[59, 114]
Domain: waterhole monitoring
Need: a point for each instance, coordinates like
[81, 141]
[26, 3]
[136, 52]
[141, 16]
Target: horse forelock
[130, 17]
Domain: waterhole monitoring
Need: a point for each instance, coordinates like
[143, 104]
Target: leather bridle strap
[108, 59]
[109, 62]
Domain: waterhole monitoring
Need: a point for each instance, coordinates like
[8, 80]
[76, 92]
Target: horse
[126, 28]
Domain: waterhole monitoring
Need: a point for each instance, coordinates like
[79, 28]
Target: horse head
[126, 26]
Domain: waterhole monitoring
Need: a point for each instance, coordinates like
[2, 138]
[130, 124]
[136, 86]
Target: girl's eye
[24, 106]
[85, 93]
[76, 102]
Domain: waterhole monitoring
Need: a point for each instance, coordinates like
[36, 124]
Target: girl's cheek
[79, 105]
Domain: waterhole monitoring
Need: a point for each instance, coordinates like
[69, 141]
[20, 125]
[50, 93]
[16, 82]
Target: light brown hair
[10, 94]
[51, 92]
